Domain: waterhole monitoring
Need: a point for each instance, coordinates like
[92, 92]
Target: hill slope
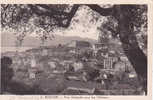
[8, 40]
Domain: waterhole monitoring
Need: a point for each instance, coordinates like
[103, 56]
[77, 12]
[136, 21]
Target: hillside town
[76, 68]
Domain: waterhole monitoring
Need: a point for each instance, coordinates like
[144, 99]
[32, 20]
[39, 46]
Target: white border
[150, 47]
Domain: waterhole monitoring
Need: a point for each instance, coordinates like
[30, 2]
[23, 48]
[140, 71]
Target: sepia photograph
[74, 49]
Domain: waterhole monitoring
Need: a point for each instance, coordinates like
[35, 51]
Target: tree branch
[71, 15]
[54, 14]
[100, 10]
[51, 10]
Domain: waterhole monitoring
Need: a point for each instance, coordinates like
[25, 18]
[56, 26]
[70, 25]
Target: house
[77, 66]
[80, 87]
[119, 68]
[99, 46]
[85, 90]
[78, 44]
[99, 49]
[108, 62]
[79, 47]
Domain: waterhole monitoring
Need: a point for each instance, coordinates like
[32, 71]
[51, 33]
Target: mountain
[8, 40]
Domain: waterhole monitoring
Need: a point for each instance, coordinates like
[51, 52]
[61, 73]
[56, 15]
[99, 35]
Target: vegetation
[131, 21]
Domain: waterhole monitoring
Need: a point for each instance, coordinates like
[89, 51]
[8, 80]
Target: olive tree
[43, 19]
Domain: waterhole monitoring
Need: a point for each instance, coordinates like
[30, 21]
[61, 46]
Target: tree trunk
[128, 38]
[131, 48]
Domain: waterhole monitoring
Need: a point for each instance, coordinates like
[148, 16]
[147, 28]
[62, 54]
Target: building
[99, 46]
[108, 63]
[80, 48]
[79, 44]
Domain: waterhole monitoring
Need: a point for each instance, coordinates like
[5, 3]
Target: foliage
[126, 22]
[28, 19]
[138, 25]
[44, 19]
